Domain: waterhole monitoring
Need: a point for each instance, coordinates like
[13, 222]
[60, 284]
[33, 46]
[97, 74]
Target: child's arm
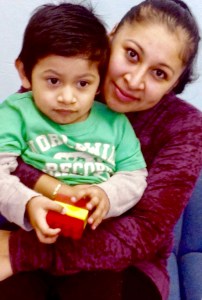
[15, 198]
[124, 189]
[14, 195]
[113, 197]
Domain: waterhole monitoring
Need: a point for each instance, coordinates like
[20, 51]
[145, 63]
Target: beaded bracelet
[58, 186]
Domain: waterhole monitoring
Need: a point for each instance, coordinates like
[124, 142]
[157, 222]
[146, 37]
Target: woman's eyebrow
[136, 44]
[167, 67]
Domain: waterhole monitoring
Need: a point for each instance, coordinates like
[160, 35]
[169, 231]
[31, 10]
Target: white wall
[14, 15]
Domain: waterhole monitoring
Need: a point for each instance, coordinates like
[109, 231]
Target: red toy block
[73, 222]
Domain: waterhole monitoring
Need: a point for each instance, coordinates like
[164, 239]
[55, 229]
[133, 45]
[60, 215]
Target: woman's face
[144, 65]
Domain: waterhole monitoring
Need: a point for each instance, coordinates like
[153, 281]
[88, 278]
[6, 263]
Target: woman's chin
[119, 106]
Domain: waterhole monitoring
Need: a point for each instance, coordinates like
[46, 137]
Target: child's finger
[96, 222]
[97, 216]
[50, 232]
[53, 205]
[94, 201]
[45, 230]
[80, 194]
[46, 239]
[94, 217]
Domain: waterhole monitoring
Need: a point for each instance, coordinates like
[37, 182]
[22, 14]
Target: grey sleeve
[124, 190]
[14, 195]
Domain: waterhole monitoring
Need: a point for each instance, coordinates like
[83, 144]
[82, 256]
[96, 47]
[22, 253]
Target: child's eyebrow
[52, 71]
[86, 75]
[79, 76]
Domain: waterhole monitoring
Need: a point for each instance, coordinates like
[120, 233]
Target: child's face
[64, 87]
[145, 64]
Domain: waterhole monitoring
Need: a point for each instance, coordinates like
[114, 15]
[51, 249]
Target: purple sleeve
[27, 174]
[143, 231]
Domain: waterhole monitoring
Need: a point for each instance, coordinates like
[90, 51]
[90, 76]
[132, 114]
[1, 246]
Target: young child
[58, 128]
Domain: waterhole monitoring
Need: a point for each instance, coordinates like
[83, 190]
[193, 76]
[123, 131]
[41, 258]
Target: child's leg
[5, 265]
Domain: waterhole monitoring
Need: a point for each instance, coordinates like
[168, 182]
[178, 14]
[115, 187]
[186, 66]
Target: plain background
[14, 15]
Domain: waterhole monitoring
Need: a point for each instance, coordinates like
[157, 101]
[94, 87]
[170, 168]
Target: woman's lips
[123, 95]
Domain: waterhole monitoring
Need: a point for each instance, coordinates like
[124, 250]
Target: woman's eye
[160, 74]
[53, 81]
[82, 83]
[132, 55]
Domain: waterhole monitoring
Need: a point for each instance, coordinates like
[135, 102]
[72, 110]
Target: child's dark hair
[175, 14]
[66, 30]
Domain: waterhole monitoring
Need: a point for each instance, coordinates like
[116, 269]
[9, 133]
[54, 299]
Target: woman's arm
[28, 175]
[143, 231]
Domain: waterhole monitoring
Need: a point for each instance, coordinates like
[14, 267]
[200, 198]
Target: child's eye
[83, 83]
[53, 81]
[132, 55]
[160, 74]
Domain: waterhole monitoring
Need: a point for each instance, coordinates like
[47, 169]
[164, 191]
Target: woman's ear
[172, 87]
[98, 91]
[20, 68]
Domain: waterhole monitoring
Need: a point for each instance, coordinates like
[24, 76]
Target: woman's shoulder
[181, 105]
[170, 117]
[181, 113]
[172, 109]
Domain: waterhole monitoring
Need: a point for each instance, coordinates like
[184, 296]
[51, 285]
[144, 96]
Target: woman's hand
[37, 209]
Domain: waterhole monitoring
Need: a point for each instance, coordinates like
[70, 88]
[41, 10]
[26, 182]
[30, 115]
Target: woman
[125, 258]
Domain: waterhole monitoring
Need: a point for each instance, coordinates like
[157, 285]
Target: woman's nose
[135, 79]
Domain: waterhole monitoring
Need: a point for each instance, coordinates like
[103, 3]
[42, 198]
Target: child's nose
[67, 96]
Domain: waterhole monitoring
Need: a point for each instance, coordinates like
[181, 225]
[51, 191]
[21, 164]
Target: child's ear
[111, 34]
[20, 68]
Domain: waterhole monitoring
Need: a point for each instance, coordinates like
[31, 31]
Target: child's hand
[37, 208]
[98, 201]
